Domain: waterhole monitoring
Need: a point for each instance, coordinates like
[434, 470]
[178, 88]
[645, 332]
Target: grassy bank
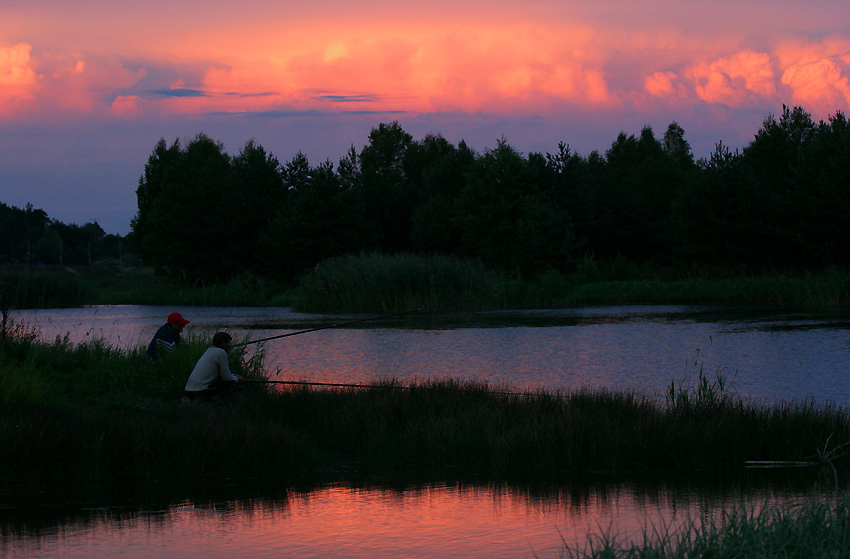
[91, 412]
[380, 283]
[377, 283]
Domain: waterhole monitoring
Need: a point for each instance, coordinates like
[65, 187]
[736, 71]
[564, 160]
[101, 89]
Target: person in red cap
[168, 335]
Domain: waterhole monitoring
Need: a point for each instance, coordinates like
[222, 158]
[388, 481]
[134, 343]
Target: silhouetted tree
[386, 193]
[257, 193]
[184, 220]
[321, 220]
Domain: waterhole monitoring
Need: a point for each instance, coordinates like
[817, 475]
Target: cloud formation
[302, 76]
[17, 78]
[507, 67]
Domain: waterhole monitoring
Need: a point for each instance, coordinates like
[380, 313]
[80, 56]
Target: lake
[765, 356]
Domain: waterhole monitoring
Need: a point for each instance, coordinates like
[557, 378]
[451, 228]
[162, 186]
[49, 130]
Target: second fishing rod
[366, 319]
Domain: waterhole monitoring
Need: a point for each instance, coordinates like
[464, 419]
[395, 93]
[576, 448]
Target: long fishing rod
[399, 313]
[331, 384]
[353, 385]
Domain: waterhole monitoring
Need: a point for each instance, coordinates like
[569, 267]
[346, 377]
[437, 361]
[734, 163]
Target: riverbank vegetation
[93, 412]
[377, 283]
[818, 528]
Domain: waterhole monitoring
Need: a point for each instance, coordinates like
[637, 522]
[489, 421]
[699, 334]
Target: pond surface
[765, 357]
[644, 348]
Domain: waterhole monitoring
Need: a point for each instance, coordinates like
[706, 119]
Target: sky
[88, 87]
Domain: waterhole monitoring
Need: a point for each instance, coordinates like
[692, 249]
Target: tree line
[29, 236]
[781, 202]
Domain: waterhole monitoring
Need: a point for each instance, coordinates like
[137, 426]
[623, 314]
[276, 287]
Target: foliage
[28, 236]
[24, 288]
[381, 283]
[184, 225]
[779, 205]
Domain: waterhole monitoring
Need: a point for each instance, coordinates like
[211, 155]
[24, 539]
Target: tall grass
[386, 283]
[828, 290]
[382, 283]
[817, 528]
[22, 288]
[139, 286]
[376, 282]
[99, 413]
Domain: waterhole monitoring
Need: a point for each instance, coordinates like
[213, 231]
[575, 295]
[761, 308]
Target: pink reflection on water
[345, 522]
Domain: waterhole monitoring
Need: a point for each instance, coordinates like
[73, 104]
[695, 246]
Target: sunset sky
[88, 87]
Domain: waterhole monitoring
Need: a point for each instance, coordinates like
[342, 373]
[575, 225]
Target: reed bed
[24, 288]
[93, 412]
[139, 286]
[377, 282]
[381, 283]
[386, 283]
[828, 290]
[820, 527]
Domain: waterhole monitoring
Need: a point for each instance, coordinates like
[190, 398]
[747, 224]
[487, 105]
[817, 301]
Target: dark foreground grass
[92, 412]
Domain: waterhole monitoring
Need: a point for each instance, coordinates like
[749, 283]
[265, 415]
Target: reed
[828, 290]
[816, 528]
[93, 412]
[139, 286]
[376, 282]
[23, 288]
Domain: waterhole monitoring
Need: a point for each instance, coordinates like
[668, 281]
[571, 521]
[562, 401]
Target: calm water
[767, 357]
[764, 356]
[344, 521]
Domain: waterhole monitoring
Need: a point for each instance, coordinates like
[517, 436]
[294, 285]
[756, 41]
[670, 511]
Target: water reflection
[357, 520]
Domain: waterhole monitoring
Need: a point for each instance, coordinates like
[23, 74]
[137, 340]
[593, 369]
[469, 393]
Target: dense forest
[779, 204]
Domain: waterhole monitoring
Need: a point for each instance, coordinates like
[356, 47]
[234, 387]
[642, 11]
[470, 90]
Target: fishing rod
[331, 384]
[357, 321]
[354, 385]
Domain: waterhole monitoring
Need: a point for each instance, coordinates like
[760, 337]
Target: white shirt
[212, 367]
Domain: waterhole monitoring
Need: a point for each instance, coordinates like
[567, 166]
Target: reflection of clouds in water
[416, 521]
[640, 348]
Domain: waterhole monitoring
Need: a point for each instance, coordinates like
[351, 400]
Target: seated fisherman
[168, 335]
[211, 376]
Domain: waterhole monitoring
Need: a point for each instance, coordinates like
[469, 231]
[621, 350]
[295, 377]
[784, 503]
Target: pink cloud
[816, 74]
[744, 78]
[502, 66]
[820, 85]
[126, 106]
[17, 77]
[57, 82]
[665, 84]
[416, 68]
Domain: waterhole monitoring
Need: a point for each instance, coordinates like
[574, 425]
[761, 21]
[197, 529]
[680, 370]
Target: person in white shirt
[211, 375]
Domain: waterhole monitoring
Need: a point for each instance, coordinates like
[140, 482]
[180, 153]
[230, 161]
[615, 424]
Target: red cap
[177, 318]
